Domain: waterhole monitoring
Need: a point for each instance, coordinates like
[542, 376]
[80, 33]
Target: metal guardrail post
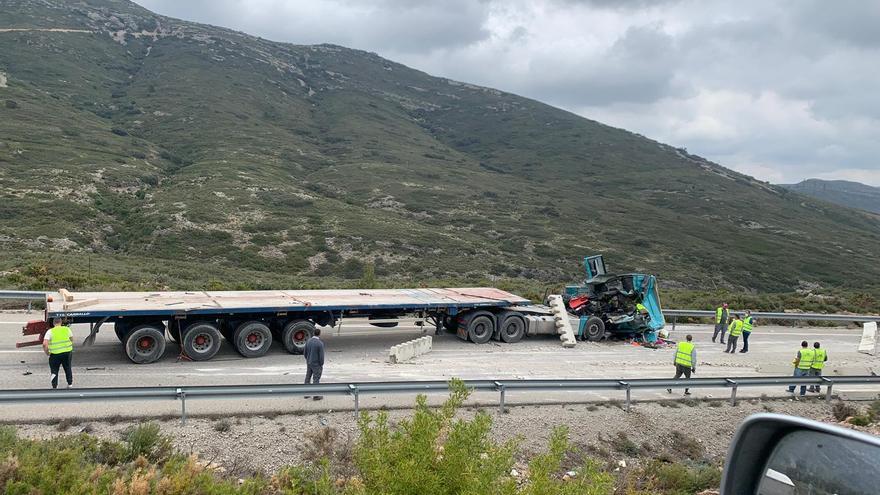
[732, 392]
[500, 387]
[673, 322]
[830, 383]
[628, 396]
[354, 391]
[30, 306]
[182, 396]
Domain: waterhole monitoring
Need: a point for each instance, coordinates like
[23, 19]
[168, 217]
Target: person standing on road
[819, 358]
[685, 361]
[748, 324]
[58, 345]
[314, 354]
[734, 331]
[803, 363]
[721, 316]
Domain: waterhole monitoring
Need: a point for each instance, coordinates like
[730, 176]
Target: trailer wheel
[513, 327]
[387, 324]
[296, 334]
[450, 323]
[201, 341]
[145, 344]
[252, 339]
[594, 329]
[480, 328]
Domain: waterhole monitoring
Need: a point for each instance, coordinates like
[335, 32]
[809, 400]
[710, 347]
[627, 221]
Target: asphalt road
[359, 352]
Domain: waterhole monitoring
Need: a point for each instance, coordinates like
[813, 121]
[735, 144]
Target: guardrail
[27, 396]
[675, 313]
[23, 295]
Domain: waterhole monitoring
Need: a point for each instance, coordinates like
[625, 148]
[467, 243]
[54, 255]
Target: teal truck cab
[625, 304]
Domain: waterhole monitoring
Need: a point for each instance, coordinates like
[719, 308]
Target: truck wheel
[513, 327]
[295, 335]
[450, 323]
[201, 341]
[480, 328]
[252, 339]
[594, 329]
[145, 344]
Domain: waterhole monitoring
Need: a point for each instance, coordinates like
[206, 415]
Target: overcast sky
[781, 90]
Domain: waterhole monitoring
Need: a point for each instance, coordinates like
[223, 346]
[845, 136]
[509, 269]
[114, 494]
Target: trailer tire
[512, 327]
[450, 323]
[201, 341]
[295, 335]
[252, 339]
[145, 344]
[594, 329]
[481, 327]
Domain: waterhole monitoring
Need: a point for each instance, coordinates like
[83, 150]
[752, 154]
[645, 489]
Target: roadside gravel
[267, 442]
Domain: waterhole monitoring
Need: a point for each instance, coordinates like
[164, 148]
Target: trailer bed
[94, 305]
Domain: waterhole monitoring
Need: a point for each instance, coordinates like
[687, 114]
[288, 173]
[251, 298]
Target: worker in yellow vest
[748, 324]
[735, 329]
[685, 361]
[722, 315]
[803, 363]
[58, 344]
[819, 358]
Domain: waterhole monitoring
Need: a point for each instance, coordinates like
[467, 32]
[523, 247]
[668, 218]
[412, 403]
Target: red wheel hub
[200, 340]
[145, 342]
[299, 335]
[252, 337]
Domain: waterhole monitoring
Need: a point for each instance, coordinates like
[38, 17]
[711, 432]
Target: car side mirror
[773, 454]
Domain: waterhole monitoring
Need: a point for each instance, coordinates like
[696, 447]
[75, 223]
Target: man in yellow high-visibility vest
[722, 316]
[58, 344]
[819, 358]
[803, 363]
[685, 361]
[735, 329]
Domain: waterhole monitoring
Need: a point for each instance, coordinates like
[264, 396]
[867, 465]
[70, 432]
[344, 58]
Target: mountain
[150, 142]
[840, 192]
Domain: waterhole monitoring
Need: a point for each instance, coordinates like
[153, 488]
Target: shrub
[686, 446]
[146, 440]
[11, 104]
[861, 420]
[622, 444]
[842, 410]
[680, 478]
[222, 426]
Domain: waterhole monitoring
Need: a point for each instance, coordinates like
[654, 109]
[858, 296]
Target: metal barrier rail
[26, 396]
[675, 313]
[23, 295]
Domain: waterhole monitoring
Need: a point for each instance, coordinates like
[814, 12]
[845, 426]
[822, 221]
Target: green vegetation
[274, 163]
[432, 452]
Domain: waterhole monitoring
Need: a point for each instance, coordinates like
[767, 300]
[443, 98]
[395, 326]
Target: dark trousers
[731, 343]
[58, 360]
[815, 372]
[313, 374]
[682, 370]
[719, 328]
[746, 341]
[799, 372]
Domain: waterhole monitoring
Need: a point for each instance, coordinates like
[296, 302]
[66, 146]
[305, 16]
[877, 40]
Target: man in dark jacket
[314, 354]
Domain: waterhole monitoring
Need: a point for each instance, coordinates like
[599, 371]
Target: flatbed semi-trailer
[252, 320]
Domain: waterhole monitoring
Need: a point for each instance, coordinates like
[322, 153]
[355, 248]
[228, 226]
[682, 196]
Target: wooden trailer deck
[101, 304]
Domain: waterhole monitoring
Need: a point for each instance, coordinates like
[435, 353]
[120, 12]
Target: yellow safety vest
[818, 359]
[735, 328]
[683, 354]
[807, 358]
[60, 341]
[747, 324]
[718, 313]
[640, 308]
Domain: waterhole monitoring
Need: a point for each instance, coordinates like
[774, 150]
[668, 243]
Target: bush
[147, 441]
[861, 420]
[622, 444]
[686, 447]
[223, 425]
[842, 410]
[679, 478]
[11, 104]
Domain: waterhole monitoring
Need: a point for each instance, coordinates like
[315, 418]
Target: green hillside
[841, 192]
[141, 138]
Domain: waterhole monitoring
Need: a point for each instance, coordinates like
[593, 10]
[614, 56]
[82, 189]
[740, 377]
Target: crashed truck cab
[607, 303]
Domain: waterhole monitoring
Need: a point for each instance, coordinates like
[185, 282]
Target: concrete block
[409, 350]
[868, 345]
[563, 323]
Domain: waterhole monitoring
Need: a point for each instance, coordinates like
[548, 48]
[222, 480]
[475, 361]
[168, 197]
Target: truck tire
[512, 327]
[594, 329]
[481, 327]
[386, 324]
[295, 335]
[201, 340]
[145, 344]
[450, 323]
[252, 339]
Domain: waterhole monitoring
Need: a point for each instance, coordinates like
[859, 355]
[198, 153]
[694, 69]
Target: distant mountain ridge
[841, 192]
[147, 138]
